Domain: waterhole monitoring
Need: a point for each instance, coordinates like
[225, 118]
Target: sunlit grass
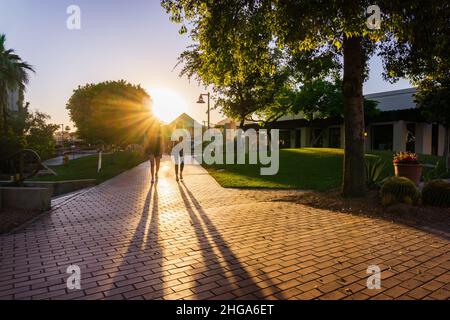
[86, 168]
[317, 169]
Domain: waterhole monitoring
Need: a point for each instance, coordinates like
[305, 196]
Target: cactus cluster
[436, 193]
[399, 190]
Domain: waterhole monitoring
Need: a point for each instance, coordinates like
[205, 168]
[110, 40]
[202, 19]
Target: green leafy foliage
[399, 190]
[241, 89]
[114, 112]
[317, 38]
[13, 76]
[433, 98]
[433, 171]
[415, 44]
[10, 143]
[374, 171]
[321, 98]
[436, 193]
[39, 134]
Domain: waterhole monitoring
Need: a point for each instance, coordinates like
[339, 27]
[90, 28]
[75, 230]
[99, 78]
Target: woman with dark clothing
[153, 149]
[179, 161]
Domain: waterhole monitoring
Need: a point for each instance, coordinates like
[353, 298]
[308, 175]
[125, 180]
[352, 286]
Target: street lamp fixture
[202, 101]
[62, 134]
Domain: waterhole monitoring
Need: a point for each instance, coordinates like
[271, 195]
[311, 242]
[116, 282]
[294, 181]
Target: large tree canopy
[254, 95]
[315, 99]
[111, 112]
[321, 99]
[433, 98]
[324, 34]
[242, 88]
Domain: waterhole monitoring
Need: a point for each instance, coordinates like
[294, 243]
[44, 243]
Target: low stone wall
[37, 195]
[62, 187]
[25, 198]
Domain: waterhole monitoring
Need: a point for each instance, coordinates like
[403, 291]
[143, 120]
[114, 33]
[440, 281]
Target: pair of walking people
[154, 147]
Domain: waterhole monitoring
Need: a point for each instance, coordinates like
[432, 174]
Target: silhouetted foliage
[13, 76]
[114, 112]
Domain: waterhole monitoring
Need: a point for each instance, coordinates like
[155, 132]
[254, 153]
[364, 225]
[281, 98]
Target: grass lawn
[317, 169]
[86, 168]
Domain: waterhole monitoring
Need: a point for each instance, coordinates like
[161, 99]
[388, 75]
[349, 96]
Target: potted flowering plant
[406, 164]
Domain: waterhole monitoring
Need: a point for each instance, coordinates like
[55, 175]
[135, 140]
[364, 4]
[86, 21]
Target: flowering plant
[406, 158]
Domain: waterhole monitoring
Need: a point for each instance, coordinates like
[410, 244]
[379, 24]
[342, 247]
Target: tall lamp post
[201, 101]
[62, 135]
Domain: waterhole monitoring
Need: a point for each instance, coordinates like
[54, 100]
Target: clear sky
[119, 39]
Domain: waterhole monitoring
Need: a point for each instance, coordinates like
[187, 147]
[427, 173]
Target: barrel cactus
[436, 193]
[399, 190]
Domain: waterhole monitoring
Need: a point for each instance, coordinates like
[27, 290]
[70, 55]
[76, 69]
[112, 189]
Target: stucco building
[398, 127]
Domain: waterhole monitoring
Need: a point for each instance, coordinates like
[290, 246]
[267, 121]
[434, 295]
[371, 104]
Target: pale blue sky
[120, 39]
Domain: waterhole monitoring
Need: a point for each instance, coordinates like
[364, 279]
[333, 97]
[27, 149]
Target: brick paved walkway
[198, 241]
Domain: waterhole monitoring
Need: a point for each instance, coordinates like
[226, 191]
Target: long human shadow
[207, 251]
[146, 236]
[234, 265]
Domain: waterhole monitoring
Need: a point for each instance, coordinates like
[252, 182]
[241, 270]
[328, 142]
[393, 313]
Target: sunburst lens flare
[166, 104]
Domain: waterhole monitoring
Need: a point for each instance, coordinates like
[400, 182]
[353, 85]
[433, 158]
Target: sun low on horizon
[167, 104]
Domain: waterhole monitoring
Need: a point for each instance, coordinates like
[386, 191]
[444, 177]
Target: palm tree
[13, 76]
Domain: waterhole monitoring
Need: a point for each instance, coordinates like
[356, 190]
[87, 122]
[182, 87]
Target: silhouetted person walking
[179, 161]
[153, 149]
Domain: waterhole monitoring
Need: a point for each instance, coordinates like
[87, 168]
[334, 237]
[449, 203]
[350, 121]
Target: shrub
[436, 193]
[434, 171]
[399, 190]
[374, 172]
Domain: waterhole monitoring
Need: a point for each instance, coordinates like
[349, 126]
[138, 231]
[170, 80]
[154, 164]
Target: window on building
[285, 139]
[334, 138]
[435, 139]
[317, 138]
[383, 137]
[411, 137]
[298, 138]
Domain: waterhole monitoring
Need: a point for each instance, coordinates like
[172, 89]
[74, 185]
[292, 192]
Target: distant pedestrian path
[57, 161]
[196, 240]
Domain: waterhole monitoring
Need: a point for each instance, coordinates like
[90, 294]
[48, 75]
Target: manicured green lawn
[317, 169]
[86, 168]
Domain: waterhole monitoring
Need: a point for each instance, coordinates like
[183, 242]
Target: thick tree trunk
[241, 123]
[2, 111]
[446, 149]
[354, 170]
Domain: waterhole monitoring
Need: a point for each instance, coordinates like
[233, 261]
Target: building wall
[368, 140]
[292, 138]
[423, 138]
[13, 100]
[423, 134]
[370, 135]
[306, 137]
[325, 138]
[400, 135]
[441, 148]
[401, 100]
